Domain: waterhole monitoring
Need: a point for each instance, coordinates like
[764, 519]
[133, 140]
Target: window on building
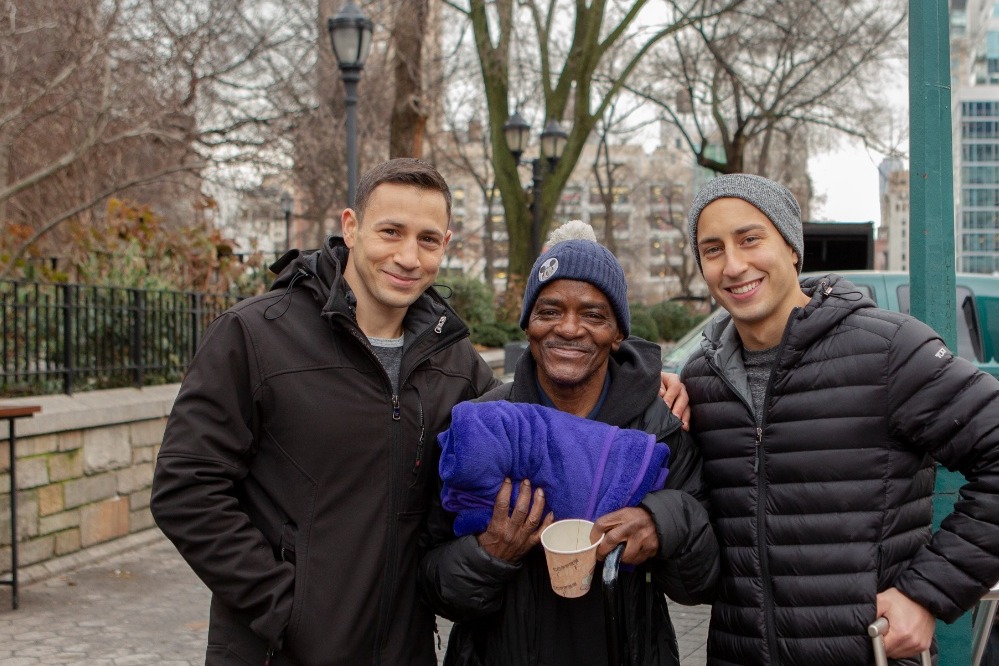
[658, 223]
[572, 195]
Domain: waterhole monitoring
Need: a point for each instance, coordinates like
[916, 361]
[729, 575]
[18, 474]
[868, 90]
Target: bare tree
[557, 47]
[679, 259]
[409, 111]
[613, 128]
[745, 85]
[150, 100]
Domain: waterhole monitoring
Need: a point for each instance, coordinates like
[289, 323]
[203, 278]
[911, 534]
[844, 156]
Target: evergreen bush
[642, 323]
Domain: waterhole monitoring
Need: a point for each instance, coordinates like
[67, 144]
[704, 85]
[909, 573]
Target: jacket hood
[320, 272]
[833, 298]
[636, 375]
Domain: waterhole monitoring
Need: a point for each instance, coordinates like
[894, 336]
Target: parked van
[977, 315]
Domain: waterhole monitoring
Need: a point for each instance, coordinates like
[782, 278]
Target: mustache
[566, 344]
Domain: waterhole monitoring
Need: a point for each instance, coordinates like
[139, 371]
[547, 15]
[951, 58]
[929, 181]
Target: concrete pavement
[145, 606]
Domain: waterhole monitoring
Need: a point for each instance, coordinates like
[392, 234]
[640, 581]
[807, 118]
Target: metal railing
[63, 338]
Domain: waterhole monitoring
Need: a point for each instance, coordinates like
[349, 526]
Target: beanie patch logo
[548, 269]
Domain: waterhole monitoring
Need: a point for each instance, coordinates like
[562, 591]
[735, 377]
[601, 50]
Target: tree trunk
[409, 116]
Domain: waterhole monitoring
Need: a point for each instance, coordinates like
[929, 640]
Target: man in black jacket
[495, 584]
[821, 418]
[299, 458]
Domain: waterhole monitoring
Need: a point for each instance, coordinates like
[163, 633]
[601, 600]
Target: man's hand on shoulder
[674, 394]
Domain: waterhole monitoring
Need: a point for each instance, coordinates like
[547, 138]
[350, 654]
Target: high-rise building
[893, 233]
[975, 82]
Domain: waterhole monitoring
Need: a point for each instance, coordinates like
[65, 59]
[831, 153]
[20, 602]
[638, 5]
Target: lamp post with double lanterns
[350, 33]
[287, 205]
[517, 132]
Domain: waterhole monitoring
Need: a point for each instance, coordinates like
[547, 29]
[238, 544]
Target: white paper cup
[570, 555]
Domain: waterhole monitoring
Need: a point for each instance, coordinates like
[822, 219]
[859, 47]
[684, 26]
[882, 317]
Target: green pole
[931, 241]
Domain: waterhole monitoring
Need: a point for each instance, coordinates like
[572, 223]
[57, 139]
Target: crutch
[877, 632]
[612, 610]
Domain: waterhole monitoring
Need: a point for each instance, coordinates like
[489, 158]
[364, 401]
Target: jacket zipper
[759, 468]
[768, 597]
[419, 443]
[395, 462]
[391, 537]
[768, 592]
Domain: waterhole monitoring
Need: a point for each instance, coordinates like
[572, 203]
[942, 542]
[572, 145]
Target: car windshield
[675, 358]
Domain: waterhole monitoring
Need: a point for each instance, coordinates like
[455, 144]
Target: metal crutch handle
[612, 614]
[876, 631]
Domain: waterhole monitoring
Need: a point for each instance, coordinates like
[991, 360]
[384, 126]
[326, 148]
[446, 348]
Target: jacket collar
[635, 380]
[832, 299]
[320, 272]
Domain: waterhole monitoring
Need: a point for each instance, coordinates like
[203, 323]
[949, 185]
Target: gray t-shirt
[759, 365]
[389, 352]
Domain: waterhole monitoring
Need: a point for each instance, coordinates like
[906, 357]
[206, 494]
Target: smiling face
[749, 269]
[395, 253]
[572, 332]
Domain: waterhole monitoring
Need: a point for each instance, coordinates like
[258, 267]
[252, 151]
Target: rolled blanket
[586, 468]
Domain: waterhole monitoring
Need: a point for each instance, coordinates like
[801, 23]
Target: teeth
[746, 288]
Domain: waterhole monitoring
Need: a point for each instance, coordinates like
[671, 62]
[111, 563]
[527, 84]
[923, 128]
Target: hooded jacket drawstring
[301, 273]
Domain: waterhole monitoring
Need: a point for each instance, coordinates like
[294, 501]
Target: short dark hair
[403, 171]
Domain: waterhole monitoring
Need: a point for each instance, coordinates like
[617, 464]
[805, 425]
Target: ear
[447, 239]
[618, 339]
[797, 259]
[349, 224]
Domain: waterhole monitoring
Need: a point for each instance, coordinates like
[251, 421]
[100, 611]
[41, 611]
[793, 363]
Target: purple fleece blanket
[587, 468]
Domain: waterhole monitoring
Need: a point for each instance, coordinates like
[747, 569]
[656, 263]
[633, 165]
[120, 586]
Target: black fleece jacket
[296, 483]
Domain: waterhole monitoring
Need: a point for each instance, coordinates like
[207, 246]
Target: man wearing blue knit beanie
[495, 585]
[821, 419]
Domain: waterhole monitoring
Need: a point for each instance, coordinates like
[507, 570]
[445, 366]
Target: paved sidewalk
[145, 607]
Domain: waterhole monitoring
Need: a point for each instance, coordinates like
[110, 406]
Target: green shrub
[496, 334]
[672, 319]
[470, 298]
[642, 324]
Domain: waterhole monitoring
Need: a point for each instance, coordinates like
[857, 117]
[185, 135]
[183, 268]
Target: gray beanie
[583, 260]
[772, 199]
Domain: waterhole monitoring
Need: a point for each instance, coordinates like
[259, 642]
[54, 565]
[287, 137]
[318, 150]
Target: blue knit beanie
[772, 199]
[583, 260]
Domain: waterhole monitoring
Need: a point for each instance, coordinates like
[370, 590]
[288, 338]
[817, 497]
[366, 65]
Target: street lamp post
[287, 204]
[350, 35]
[516, 131]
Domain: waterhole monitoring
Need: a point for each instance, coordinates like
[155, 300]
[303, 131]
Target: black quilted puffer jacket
[828, 501]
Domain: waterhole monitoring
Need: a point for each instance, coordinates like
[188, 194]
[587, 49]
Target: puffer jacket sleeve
[950, 409]
[205, 452]
[458, 579]
[687, 565]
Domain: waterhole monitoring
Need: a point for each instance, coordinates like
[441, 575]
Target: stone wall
[84, 471]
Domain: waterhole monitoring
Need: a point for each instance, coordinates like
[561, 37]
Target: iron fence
[63, 338]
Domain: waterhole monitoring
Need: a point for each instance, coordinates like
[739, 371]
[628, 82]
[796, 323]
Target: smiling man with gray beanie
[772, 199]
[821, 419]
